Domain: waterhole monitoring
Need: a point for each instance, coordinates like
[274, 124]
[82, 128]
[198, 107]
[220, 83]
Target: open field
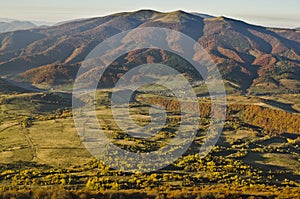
[40, 147]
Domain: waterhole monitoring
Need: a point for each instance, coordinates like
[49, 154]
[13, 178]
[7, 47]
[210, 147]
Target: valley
[43, 155]
[40, 147]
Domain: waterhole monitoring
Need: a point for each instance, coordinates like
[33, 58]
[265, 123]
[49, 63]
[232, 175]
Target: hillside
[253, 59]
[8, 88]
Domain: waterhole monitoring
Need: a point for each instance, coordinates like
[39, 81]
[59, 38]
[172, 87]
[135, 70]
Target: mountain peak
[139, 14]
[148, 13]
[178, 12]
[205, 16]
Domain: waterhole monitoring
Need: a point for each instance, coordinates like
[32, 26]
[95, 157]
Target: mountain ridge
[8, 26]
[257, 59]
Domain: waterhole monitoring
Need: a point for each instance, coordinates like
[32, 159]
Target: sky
[271, 13]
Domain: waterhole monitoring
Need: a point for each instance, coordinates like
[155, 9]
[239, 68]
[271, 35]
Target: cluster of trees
[203, 192]
[26, 121]
[189, 170]
[58, 114]
[270, 120]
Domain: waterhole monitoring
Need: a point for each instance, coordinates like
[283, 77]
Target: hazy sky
[279, 13]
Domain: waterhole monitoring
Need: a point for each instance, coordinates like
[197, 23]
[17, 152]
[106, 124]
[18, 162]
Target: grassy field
[40, 147]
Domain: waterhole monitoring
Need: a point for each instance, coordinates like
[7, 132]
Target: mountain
[252, 59]
[36, 22]
[15, 25]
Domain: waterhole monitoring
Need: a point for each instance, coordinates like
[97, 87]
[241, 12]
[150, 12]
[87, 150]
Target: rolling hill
[8, 88]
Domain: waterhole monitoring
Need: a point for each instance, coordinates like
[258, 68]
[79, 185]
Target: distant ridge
[15, 25]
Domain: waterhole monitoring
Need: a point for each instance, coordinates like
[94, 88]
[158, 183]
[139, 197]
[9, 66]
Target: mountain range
[15, 25]
[252, 59]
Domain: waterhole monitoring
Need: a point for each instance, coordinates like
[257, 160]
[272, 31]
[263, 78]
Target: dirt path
[10, 126]
[31, 144]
